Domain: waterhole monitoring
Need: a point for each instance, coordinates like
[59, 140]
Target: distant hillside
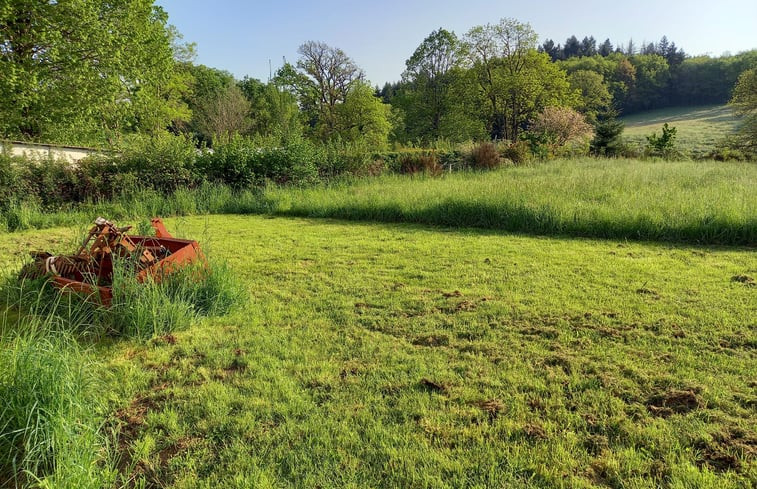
[699, 128]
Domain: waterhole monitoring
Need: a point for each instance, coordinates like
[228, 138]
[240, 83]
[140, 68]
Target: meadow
[704, 202]
[396, 355]
[699, 129]
[584, 324]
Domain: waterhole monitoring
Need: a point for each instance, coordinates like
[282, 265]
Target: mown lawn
[385, 355]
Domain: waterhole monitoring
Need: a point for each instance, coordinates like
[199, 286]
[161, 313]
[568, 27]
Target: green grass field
[398, 355]
[704, 202]
[699, 128]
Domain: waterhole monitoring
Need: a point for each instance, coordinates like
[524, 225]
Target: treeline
[660, 74]
[67, 79]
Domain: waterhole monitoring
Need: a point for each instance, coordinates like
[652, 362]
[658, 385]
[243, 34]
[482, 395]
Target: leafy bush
[231, 163]
[46, 181]
[420, 163]
[663, 145]
[163, 162]
[241, 163]
[296, 163]
[518, 152]
[53, 182]
[485, 156]
[12, 185]
[348, 158]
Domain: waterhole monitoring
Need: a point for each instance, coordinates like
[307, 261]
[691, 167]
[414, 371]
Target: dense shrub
[241, 163]
[420, 163]
[348, 158]
[45, 181]
[518, 152]
[485, 156]
[231, 163]
[663, 145]
[54, 182]
[11, 183]
[163, 162]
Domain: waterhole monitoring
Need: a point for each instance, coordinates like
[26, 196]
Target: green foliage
[516, 82]
[663, 145]
[595, 96]
[485, 156]
[274, 111]
[12, 183]
[652, 78]
[436, 98]
[607, 139]
[46, 181]
[242, 163]
[663, 77]
[363, 118]
[224, 115]
[162, 162]
[744, 102]
[107, 67]
[49, 411]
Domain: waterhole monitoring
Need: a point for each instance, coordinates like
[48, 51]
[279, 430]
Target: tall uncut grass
[138, 309]
[51, 423]
[714, 203]
[698, 202]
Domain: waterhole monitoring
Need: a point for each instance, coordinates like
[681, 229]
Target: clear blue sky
[242, 36]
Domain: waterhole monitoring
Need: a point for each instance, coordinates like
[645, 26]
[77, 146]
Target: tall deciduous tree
[363, 117]
[274, 110]
[207, 85]
[595, 97]
[745, 102]
[515, 80]
[434, 99]
[329, 74]
[96, 66]
[224, 115]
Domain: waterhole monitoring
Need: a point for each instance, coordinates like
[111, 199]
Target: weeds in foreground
[49, 413]
[138, 309]
[51, 429]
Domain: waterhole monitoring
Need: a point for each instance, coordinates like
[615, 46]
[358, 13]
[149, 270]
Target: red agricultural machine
[90, 270]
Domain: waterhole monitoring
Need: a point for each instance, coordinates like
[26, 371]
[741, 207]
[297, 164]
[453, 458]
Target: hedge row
[167, 163]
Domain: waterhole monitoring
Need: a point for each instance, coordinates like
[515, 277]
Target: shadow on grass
[542, 222]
